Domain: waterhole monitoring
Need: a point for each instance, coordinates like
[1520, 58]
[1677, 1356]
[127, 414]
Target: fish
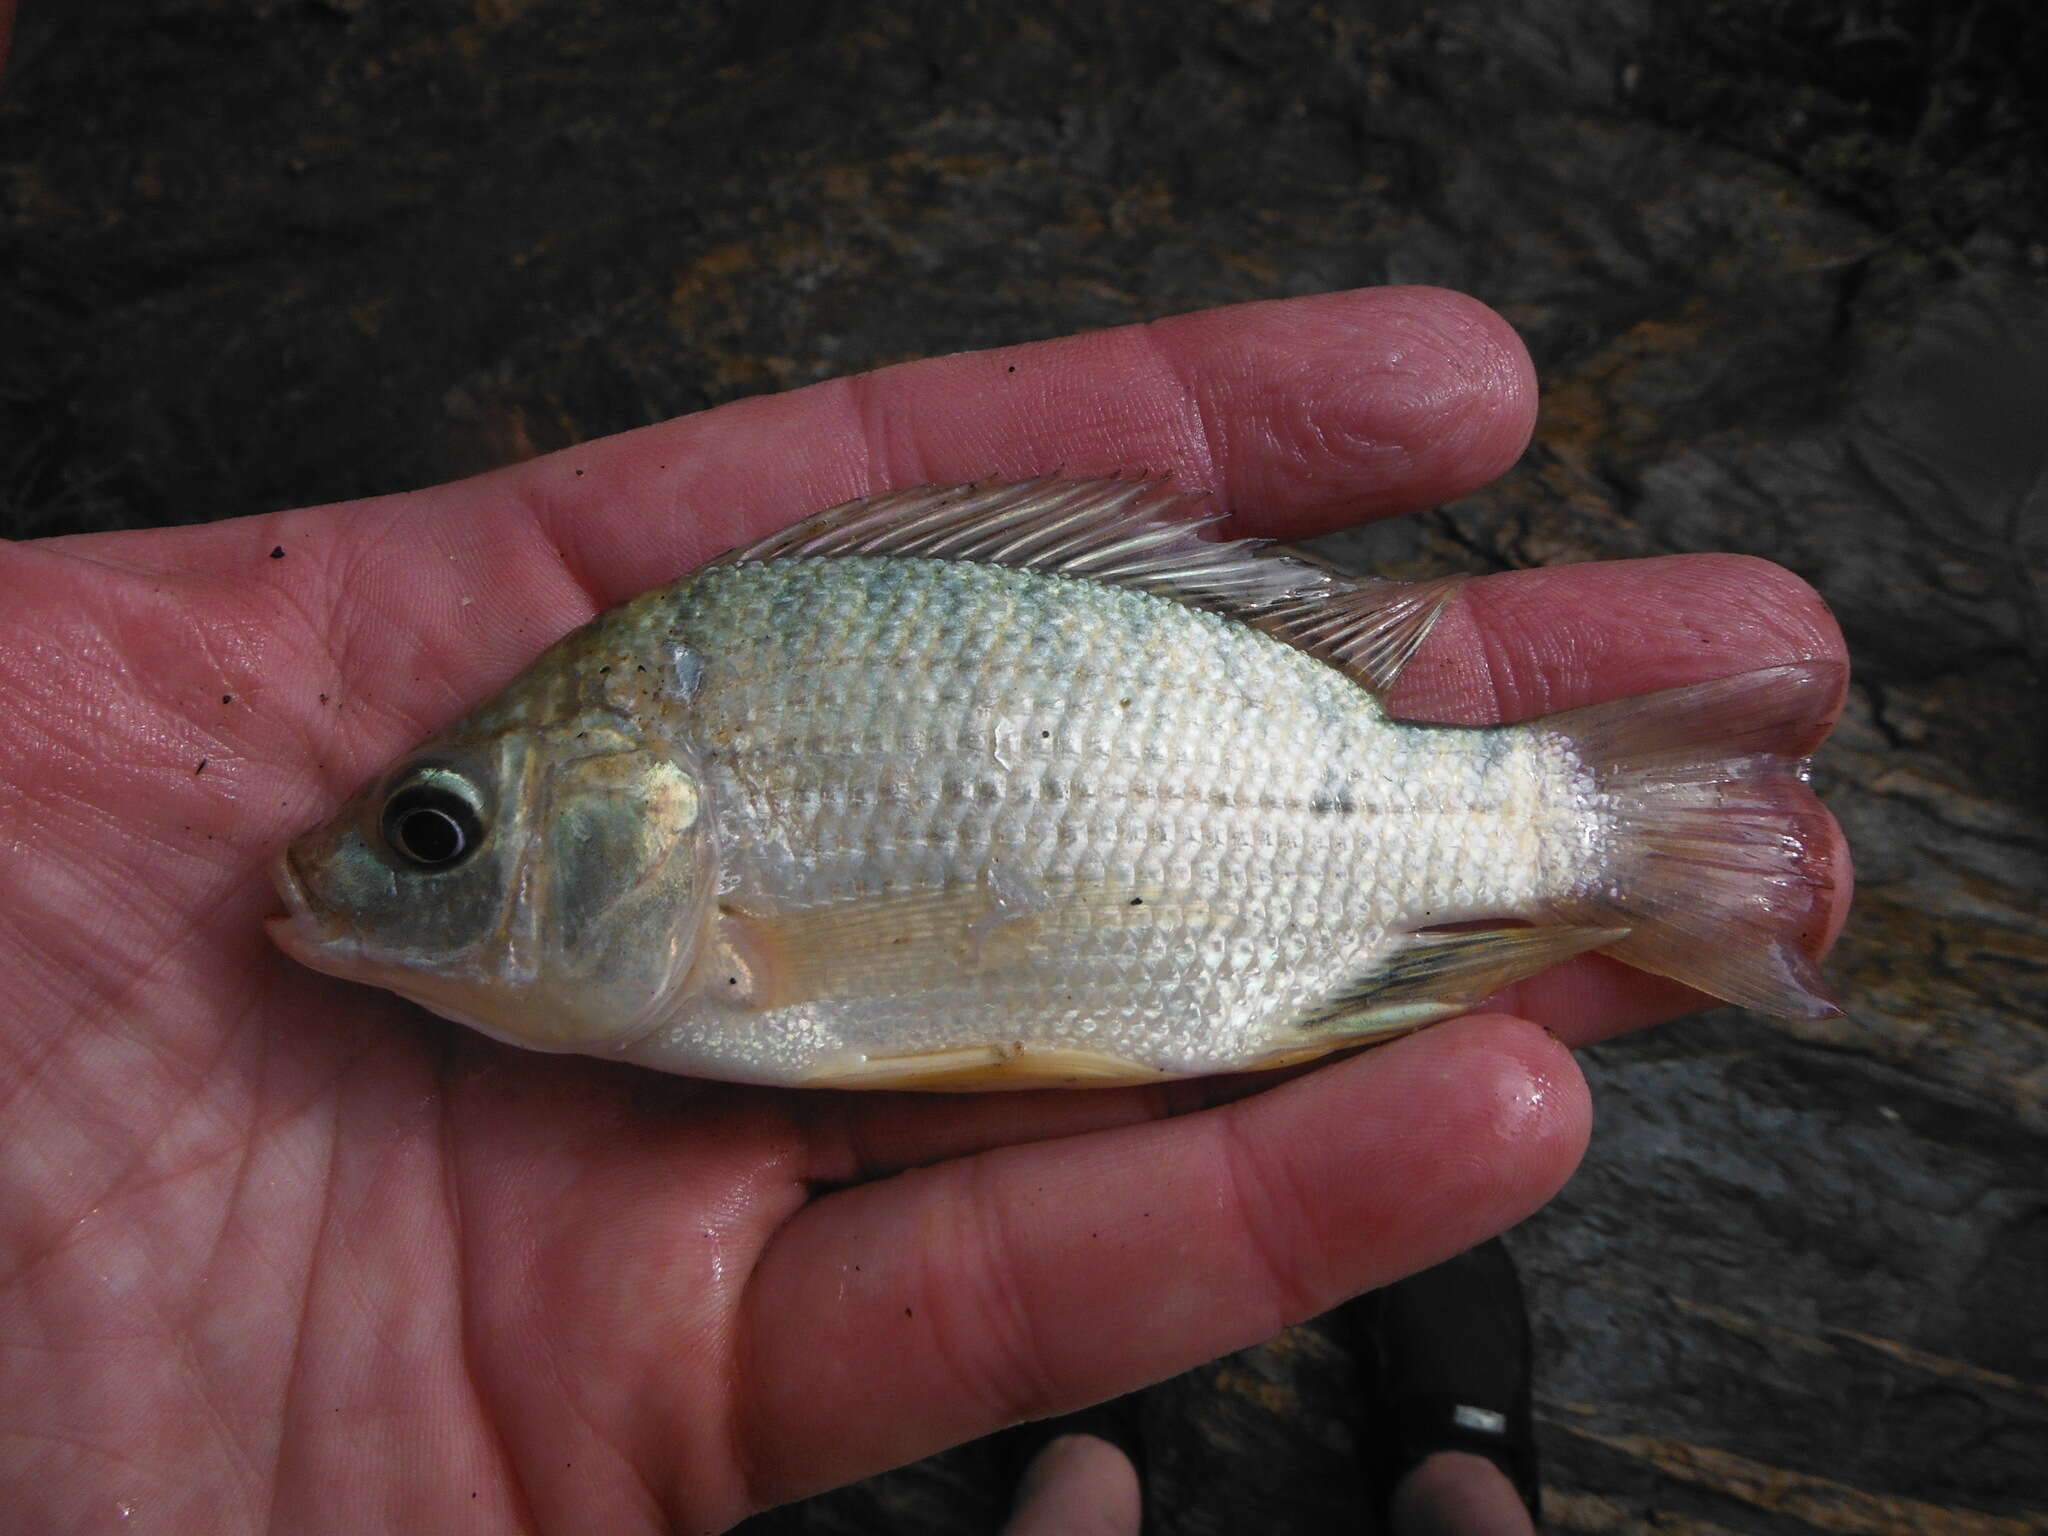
[1016, 785]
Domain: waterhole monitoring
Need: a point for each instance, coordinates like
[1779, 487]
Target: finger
[1530, 643]
[857, 1136]
[898, 1317]
[1302, 414]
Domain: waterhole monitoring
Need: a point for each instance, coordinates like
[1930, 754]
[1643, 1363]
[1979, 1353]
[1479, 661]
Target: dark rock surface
[1784, 268]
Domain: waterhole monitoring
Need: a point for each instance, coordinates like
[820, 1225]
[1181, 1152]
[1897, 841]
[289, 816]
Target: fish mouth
[325, 944]
[331, 945]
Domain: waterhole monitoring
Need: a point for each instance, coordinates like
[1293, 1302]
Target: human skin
[277, 1251]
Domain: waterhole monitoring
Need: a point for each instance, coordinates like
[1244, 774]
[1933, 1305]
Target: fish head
[541, 871]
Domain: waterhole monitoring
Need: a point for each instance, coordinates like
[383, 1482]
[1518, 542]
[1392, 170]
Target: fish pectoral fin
[973, 1069]
[903, 943]
[1431, 976]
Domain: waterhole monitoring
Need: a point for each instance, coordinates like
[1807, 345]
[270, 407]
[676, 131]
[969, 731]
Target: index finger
[1300, 414]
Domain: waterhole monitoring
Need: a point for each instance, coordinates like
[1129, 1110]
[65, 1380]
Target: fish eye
[433, 823]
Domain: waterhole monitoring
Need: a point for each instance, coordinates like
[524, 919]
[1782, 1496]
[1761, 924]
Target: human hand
[277, 1250]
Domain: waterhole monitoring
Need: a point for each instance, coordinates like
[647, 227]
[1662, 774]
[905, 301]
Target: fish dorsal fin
[1109, 530]
[1364, 626]
[1126, 533]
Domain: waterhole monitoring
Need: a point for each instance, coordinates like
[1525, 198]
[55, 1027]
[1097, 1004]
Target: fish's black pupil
[431, 826]
[429, 836]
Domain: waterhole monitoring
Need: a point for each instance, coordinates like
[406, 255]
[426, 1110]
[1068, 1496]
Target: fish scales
[891, 725]
[1014, 785]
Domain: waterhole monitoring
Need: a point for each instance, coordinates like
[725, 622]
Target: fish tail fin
[1721, 870]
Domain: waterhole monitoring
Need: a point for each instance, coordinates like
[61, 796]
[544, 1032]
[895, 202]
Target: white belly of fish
[961, 807]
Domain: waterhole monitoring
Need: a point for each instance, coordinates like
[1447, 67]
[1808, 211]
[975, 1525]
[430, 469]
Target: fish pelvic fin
[1720, 869]
[978, 1069]
[1138, 533]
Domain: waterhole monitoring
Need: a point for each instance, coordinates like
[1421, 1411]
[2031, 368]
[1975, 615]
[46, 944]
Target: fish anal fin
[1434, 975]
[1431, 976]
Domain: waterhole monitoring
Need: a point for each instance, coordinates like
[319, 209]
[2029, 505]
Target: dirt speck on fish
[1004, 786]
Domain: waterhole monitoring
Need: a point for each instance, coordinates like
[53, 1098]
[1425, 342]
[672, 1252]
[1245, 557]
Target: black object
[1447, 1355]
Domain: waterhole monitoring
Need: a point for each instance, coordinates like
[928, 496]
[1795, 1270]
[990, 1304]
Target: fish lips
[332, 946]
[322, 943]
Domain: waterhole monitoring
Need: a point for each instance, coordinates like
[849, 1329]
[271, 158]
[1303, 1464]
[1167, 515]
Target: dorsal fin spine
[1119, 532]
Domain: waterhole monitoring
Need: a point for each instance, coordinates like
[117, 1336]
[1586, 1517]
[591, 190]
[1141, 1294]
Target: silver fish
[1013, 785]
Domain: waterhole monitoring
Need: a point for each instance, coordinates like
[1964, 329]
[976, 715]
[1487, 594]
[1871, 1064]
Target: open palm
[280, 1251]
